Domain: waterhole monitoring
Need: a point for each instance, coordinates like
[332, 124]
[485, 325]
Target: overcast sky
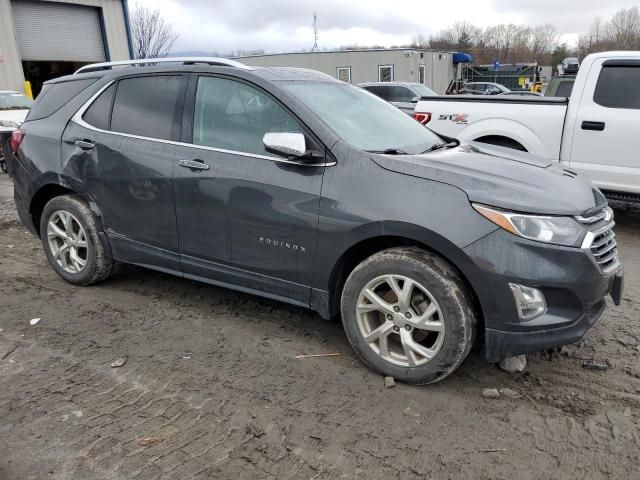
[286, 25]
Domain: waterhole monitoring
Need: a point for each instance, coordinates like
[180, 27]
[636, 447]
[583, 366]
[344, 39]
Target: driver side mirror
[415, 99]
[290, 144]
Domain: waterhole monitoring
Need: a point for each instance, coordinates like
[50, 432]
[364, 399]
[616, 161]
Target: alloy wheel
[400, 320]
[67, 241]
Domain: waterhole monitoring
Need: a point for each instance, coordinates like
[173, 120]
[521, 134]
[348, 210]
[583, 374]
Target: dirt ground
[211, 388]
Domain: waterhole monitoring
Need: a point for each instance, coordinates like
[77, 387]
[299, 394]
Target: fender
[373, 237]
[510, 129]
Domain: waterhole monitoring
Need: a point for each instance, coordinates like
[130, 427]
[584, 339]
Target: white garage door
[54, 31]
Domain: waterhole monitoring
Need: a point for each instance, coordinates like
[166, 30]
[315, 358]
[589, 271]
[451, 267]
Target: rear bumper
[22, 184]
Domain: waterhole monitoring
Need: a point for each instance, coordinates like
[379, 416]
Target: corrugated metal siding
[55, 31]
[364, 64]
[11, 75]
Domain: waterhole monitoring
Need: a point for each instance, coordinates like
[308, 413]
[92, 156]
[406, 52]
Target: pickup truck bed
[595, 132]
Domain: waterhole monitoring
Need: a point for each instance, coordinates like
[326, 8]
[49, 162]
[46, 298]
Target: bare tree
[152, 36]
[624, 29]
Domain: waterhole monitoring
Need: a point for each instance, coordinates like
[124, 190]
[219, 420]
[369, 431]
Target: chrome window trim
[77, 119]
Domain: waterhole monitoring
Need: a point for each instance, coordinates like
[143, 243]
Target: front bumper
[574, 287]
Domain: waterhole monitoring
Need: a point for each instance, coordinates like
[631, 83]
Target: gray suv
[289, 184]
[404, 95]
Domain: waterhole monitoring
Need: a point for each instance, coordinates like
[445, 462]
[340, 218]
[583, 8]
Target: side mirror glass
[415, 99]
[285, 143]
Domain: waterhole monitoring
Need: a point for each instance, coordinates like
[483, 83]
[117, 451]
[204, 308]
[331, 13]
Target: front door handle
[194, 164]
[589, 125]
[84, 144]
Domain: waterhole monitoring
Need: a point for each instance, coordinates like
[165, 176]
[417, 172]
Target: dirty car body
[293, 228]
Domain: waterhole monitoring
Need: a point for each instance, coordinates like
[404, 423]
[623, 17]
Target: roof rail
[94, 67]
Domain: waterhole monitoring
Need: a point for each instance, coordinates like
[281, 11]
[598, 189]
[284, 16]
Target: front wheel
[408, 315]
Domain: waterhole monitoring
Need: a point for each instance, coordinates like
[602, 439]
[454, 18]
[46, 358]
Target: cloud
[286, 25]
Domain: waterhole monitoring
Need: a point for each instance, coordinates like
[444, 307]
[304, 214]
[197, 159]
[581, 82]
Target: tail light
[422, 118]
[16, 139]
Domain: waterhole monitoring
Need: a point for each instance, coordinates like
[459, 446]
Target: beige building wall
[11, 74]
[365, 63]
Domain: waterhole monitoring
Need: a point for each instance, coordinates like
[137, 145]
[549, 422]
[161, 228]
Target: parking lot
[212, 389]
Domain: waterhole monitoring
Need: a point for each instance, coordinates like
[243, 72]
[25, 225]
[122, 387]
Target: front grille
[601, 239]
[605, 251]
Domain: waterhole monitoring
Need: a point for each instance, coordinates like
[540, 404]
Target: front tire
[407, 314]
[69, 234]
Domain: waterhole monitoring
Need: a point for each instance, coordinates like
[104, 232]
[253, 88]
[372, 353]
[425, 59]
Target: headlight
[557, 230]
[9, 124]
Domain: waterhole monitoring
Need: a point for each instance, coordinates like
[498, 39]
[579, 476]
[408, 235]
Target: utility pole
[315, 32]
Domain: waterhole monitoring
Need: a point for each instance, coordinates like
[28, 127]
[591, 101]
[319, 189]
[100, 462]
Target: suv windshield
[14, 101]
[362, 119]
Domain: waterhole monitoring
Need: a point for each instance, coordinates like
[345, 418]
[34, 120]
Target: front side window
[618, 87]
[361, 119]
[146, 106]
[423, 91]
[385, 73]
[232, 115]
[344, 74]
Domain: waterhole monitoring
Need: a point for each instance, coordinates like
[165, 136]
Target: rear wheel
[407, 314]
[69, 234]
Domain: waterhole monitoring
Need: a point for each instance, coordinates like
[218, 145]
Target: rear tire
[408, 315]
[69, 232]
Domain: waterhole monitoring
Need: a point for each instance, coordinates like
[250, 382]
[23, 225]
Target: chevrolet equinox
[292, 185]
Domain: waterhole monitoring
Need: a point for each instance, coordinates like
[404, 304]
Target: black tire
[448, 290]
[99, 263]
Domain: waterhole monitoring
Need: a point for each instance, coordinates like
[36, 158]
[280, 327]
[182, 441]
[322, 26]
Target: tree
[152, 37]
[624, 29]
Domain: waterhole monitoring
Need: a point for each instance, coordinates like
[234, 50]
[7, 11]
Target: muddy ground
[211, 388]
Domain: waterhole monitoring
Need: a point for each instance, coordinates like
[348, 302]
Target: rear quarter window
[54, 95]
[618, 87]
[99, 113]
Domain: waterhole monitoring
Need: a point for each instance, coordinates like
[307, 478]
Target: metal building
[44, 39]
[434, 69]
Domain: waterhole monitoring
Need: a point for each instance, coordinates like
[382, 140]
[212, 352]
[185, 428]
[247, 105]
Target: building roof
[357, 50]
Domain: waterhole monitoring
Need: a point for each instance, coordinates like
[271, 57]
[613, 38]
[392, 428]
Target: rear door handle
[84, 144]
[194, 164]
[597, 126]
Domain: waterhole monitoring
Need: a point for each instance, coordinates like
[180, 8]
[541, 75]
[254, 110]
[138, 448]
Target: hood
[502, 177]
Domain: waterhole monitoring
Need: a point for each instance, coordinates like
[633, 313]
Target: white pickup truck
[595, 132]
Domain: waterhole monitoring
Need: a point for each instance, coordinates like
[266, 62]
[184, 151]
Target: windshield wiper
[440, 146]
[389, 151]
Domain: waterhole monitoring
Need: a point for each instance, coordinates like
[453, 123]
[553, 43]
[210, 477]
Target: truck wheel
[408, 315]
[69, 234]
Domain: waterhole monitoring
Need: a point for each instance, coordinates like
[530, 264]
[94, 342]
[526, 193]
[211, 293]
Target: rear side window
[54, 95]
[618, 87]
[564, 89]
[379, 90]
[401, 94]
[147, 106]
[99, 112]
